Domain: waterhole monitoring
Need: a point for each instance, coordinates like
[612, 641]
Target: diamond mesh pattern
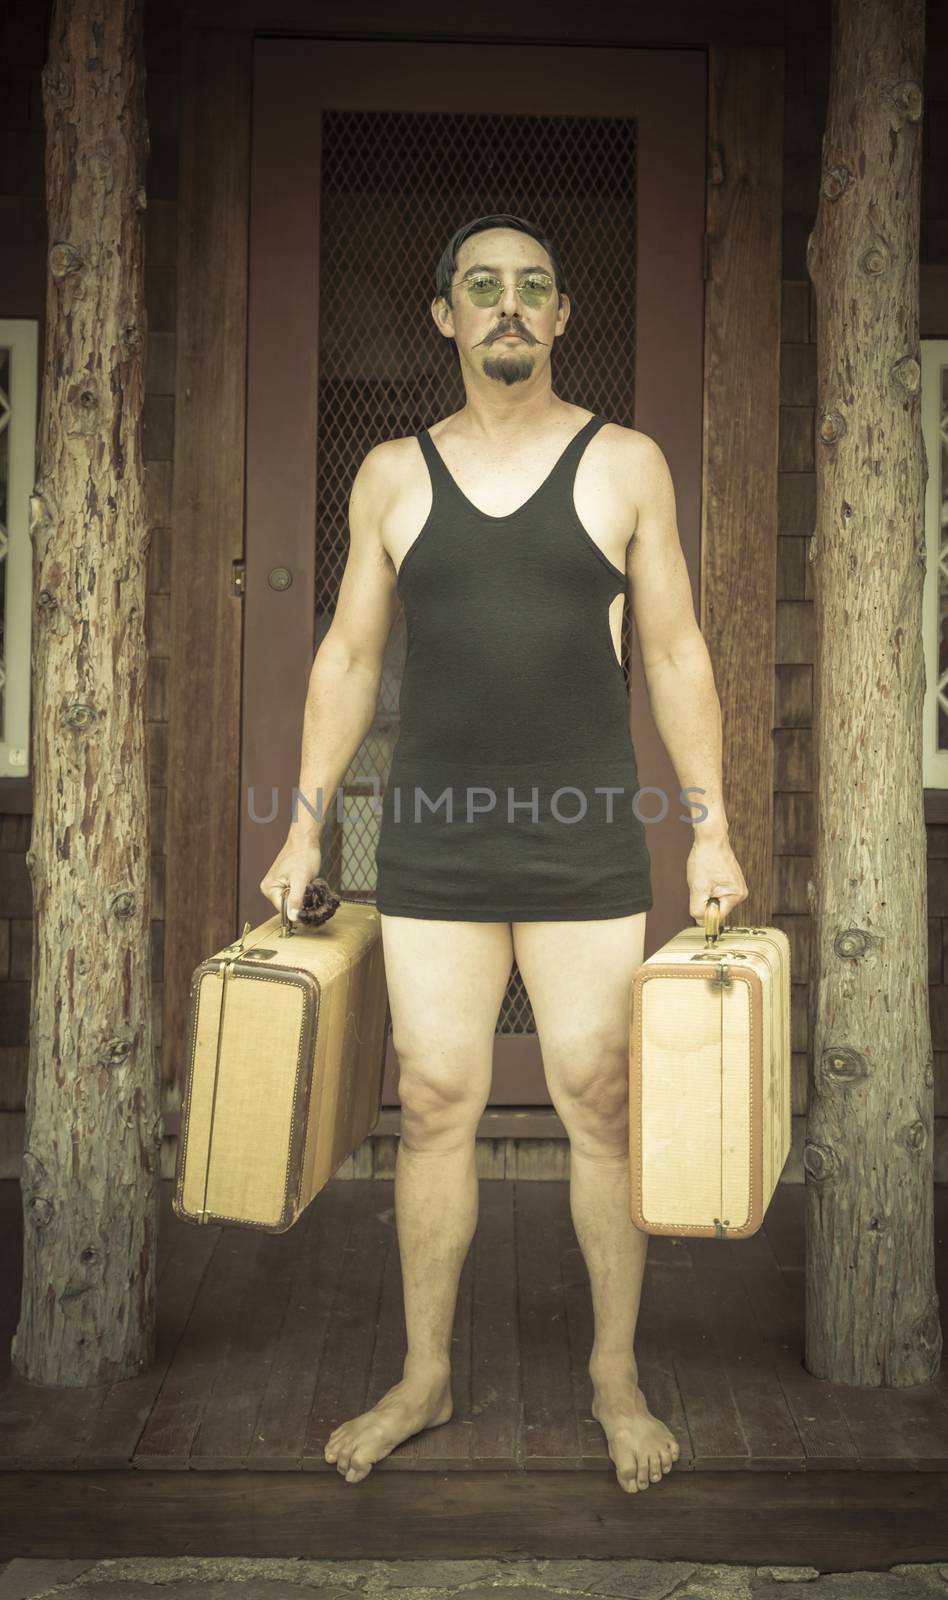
[394, 186]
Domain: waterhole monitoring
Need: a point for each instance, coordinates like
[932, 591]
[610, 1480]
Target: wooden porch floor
[266, 1342]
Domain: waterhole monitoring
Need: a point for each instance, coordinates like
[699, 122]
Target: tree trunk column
[91, 1167]
[871, 1306]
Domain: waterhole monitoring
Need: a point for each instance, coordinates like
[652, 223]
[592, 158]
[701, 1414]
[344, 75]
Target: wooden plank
[184, 1254]
[793, 817]
[680, 22]
[833, 1521]
[742, 387]
[717, 1439]
[40, 1428]
[345, 1360]
[796, 632]
[50, 1428]
[495, 1359]
[279, 1437]
[705, 1343]
[207, 515]
[658, 1346]
[784, 1226]
[551, 1437]
[229, 1424]
[902, 1430]
[791, 570]
[44, 1429]
[766, 1421]
[11, 1266]
[581, 1331]
[168, 1437]
[827, 1441]
[796, 503]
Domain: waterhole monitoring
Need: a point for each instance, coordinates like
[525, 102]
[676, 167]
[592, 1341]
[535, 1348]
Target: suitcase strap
[226, 970]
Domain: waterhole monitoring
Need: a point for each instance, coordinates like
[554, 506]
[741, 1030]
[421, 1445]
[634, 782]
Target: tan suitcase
[709, 1081]
[285, 1063]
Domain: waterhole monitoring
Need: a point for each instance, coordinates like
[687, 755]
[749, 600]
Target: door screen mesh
[394, 187]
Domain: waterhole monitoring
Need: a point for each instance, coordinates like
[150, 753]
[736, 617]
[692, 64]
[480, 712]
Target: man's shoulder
[388, 453]
[638, 455]
[632, 441]
[383, 468]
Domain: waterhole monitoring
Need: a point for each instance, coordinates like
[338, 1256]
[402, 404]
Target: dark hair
[448, 265]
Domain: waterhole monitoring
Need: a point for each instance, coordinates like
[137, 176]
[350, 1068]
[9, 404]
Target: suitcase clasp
[238, 944]
[722, 958]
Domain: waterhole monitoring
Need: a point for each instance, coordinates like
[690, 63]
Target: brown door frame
[737, 400]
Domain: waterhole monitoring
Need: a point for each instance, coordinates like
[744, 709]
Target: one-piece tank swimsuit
[512, 789]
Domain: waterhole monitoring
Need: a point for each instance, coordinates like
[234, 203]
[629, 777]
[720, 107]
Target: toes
[357, 1470]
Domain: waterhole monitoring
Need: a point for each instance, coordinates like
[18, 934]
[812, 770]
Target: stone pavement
[236, 1578]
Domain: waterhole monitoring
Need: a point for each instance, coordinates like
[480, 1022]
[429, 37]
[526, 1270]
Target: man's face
[483, 333]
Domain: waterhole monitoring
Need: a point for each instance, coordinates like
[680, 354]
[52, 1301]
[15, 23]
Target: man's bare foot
[406, 1408]
[641, 1446]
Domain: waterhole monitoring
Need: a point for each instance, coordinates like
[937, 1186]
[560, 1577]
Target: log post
[871, 1306]
[90, 1175]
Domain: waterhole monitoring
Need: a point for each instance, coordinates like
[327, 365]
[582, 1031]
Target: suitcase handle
[286, 926]
[712, 919]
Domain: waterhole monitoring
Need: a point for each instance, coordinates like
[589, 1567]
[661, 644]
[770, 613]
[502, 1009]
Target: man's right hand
[297, 864]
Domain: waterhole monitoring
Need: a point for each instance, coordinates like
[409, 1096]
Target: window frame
[20, 336]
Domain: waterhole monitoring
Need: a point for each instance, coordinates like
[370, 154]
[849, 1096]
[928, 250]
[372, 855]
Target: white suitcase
[709, 1080]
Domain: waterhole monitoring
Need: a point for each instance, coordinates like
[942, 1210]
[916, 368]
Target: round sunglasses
[484, 289]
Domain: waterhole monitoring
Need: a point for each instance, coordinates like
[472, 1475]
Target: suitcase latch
[721, 979]
[238, 944]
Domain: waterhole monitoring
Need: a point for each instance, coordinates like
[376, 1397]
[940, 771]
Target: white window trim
[20, 335]
[934, 360]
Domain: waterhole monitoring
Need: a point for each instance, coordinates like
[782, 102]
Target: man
[511, 531]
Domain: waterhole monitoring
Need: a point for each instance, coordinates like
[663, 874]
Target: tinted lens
[486, 290]
[536, 289]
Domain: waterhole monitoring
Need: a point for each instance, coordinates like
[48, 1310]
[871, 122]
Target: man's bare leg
[446, 981]
[578, 977]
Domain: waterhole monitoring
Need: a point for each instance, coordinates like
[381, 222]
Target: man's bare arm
[346, 673]
[675, 658]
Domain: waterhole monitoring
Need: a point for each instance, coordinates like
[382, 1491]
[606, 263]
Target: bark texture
[871, 1305]
[90, 1177]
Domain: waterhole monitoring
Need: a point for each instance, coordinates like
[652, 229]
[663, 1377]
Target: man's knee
[442, 1092]
[590, 1091]
[588, 1069]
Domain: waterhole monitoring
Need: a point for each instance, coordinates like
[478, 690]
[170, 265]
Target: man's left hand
[713, 869]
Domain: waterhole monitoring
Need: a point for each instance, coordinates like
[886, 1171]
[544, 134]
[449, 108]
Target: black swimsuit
[512, 787]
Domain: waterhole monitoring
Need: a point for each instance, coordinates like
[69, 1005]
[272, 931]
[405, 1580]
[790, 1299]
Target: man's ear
[441, 312]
